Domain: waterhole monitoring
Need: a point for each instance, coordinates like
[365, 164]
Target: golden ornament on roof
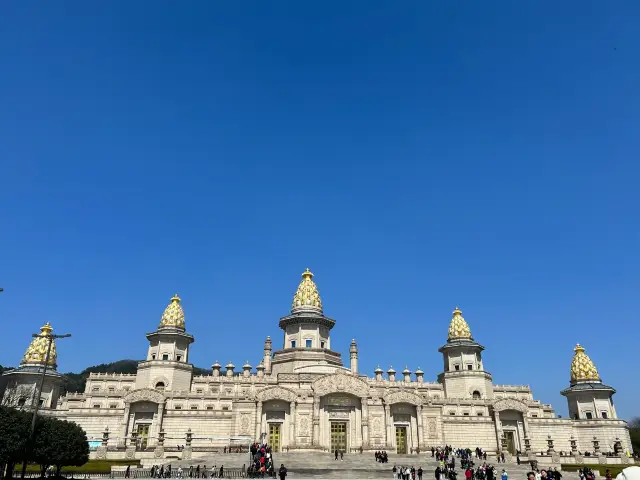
[37, 351]
[458, 328]
[307, 296]
[173, 316]
[582, 368]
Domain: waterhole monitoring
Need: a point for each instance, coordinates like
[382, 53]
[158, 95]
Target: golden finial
[173, 316]
[37, 351]
[458, 328]
[582, 368]
[307, 296]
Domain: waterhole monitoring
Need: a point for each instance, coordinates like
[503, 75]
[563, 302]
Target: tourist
[336, 454]
[504, 475]
[282, 472]
[531, 476]
[419, 473]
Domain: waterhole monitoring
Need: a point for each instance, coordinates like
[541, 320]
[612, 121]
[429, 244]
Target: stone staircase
[316, 465]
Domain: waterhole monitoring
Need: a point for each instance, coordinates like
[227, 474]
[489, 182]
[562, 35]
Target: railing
[141, 473]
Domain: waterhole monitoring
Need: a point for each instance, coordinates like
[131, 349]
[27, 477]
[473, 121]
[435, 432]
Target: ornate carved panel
[432, 428]
[340, 400]
[303, 426]
[342, 414]
[510, 404]
[377, 426]
[244, 423]
[275, 416]
[402, 397]
[341, 382]
[276, 393]
[144, 395]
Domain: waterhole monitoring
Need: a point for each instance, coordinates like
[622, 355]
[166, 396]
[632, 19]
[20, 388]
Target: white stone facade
[302, 397]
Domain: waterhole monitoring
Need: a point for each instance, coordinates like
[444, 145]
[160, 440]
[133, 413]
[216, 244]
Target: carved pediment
[402, 397]
[510, 404]
[276, 393]
[144, 395]
[340, 383]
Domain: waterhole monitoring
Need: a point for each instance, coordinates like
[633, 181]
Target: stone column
[496, 419]
[258, 420]
[160, 418]
[316, 421]
[421, 443]
[388, 425]
[292, 424]
[365, 422]
[123, 428]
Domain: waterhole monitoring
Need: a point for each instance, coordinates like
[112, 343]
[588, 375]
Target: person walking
[504, 475]
[282, 472]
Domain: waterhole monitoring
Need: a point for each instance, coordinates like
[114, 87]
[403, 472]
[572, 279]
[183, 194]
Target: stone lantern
[407, 374]
[378, 373]
[419, 375]
[246, 369]
[392, 374]
[596, 446]
[216, 367]
[260, 369]
[550, 449]
[230, 367]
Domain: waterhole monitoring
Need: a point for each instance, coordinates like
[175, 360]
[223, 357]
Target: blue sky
[414, 155]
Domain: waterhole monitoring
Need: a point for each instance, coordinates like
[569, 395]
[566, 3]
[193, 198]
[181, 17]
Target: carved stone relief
[510, 404]
[144, 395]
[377, 426]
[431, 427]
[303, 427]
[340, 382]
[276, 393]
[402, 397]
[244, 423]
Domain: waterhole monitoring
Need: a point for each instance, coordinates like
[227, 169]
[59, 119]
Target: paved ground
[314, 465]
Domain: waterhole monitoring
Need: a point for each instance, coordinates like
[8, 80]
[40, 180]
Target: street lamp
[37, 392]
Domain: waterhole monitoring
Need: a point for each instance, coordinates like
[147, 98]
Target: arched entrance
[403, 411]
[144, 410]
[275, 418]
[510, 417]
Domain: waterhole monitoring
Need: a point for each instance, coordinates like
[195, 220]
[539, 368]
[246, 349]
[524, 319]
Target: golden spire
[582, 368]
[458, 328]
[37, 351]
[307, 296]
[173, 316]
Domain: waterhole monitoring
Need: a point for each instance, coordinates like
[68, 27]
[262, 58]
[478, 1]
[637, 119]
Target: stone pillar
[122, 441]
[160, 417]
[388, 423]
[159, 450]
[421, 442]
[596, 446]
[365, 422]
[258, 421]
[496, 419]
[267, 355]
[101, 451]
[316, 421]
[292, 424]
[353, 354]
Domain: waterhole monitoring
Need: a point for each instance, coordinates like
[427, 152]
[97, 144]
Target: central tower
[307, 342]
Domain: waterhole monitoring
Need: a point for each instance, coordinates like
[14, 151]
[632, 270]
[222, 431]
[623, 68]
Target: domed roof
[582, 368]
[173, 316]
[458, 328]
[37, 351]
[307, 296]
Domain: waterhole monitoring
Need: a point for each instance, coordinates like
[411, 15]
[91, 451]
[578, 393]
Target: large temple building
[302, 396]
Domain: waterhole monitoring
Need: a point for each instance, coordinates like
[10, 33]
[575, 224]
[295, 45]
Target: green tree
[59, 443]
[13, 437]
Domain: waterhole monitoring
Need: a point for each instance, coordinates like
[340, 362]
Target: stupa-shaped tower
[166, 367]
[19, 385]
[464, 375]
[587, 396]
[307, 341]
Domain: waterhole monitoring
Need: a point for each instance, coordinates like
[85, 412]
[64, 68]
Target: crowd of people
[381, 456]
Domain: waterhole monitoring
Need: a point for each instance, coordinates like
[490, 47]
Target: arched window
[160, 386]
[476, 395]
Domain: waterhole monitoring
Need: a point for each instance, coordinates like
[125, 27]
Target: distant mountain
[75, 382]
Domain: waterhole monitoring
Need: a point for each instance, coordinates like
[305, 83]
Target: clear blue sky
[415, 155]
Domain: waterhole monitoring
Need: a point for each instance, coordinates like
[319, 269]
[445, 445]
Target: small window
[469, 367]
[209, 407]
[479, 414]
[165, 356]
[160, 386]
[293, 344]
[307, 343]
[457, 367]
[588, 415]
[476, 395]
[198, 390]
[178, 407]
[452, 413]
[604, 414]
[153, 356]
[436, 397]
[111, 389]
[466, 414]
[95, 389]
[535, 415]
[96, 406]
[41, 402]
[113, 405]
[178, 358]
[225, 408]
[194, 407]
[321, 344]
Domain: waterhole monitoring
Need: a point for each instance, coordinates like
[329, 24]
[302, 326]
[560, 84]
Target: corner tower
[19, 385]
[464, 375]
[166, 366]
[587, 396]
[306, 341]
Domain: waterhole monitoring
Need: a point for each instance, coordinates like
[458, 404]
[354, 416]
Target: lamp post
[36, 394]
